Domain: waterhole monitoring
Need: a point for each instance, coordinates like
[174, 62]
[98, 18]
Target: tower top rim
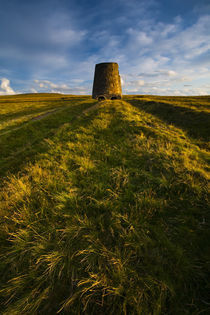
[106, 63]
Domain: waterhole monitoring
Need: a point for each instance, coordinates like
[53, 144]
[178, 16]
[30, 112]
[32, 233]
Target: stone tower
[107, 84]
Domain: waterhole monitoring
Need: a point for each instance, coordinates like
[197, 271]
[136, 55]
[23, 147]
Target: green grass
[110, 215]
[22, 136]
[191, 114]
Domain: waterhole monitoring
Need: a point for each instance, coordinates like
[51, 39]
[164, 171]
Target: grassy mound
[111, 217]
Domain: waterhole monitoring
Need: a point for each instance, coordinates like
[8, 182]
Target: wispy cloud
[176, 54]
[62, 46]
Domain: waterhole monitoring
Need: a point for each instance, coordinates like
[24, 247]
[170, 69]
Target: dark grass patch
[195, 122]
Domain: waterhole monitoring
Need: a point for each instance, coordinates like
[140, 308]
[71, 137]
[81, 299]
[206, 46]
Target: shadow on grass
[195, 123]
[122, 223]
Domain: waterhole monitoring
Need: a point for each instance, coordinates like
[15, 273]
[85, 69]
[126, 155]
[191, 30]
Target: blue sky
[162, 46]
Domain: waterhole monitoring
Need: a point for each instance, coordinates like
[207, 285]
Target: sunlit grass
[111, 218]
[21, 137]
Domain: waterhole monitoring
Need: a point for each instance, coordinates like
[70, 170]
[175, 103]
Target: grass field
[104, 211]
[23, 126]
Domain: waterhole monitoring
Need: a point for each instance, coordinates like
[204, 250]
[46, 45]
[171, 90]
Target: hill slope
[110, 213]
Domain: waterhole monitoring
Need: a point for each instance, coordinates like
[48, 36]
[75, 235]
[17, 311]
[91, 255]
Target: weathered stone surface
[107, 83]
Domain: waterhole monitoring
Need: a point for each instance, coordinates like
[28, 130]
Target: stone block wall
[107, 83]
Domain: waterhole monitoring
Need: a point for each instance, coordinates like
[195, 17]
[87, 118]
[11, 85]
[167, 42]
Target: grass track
[112, 217]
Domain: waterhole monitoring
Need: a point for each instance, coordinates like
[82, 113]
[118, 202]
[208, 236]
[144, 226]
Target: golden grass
[112, 217]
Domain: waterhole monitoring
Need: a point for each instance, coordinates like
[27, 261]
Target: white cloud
[153, 56]
[140, 82]
[5, 88]
[142, 38]
[122, 81]
[48, 86]
[61, 29]
[177, 55]
[77, 81]
[67, 36]
[170, 73]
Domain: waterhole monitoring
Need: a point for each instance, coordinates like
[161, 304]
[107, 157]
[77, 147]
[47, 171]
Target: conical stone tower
[107, 83]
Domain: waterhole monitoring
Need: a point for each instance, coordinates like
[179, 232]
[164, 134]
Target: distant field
[104, 207]
[25, 121]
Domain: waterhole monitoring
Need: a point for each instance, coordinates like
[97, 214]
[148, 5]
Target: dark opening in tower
[101, 98]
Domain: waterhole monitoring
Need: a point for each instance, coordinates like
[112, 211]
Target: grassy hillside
[104, 212]
[26, 120]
